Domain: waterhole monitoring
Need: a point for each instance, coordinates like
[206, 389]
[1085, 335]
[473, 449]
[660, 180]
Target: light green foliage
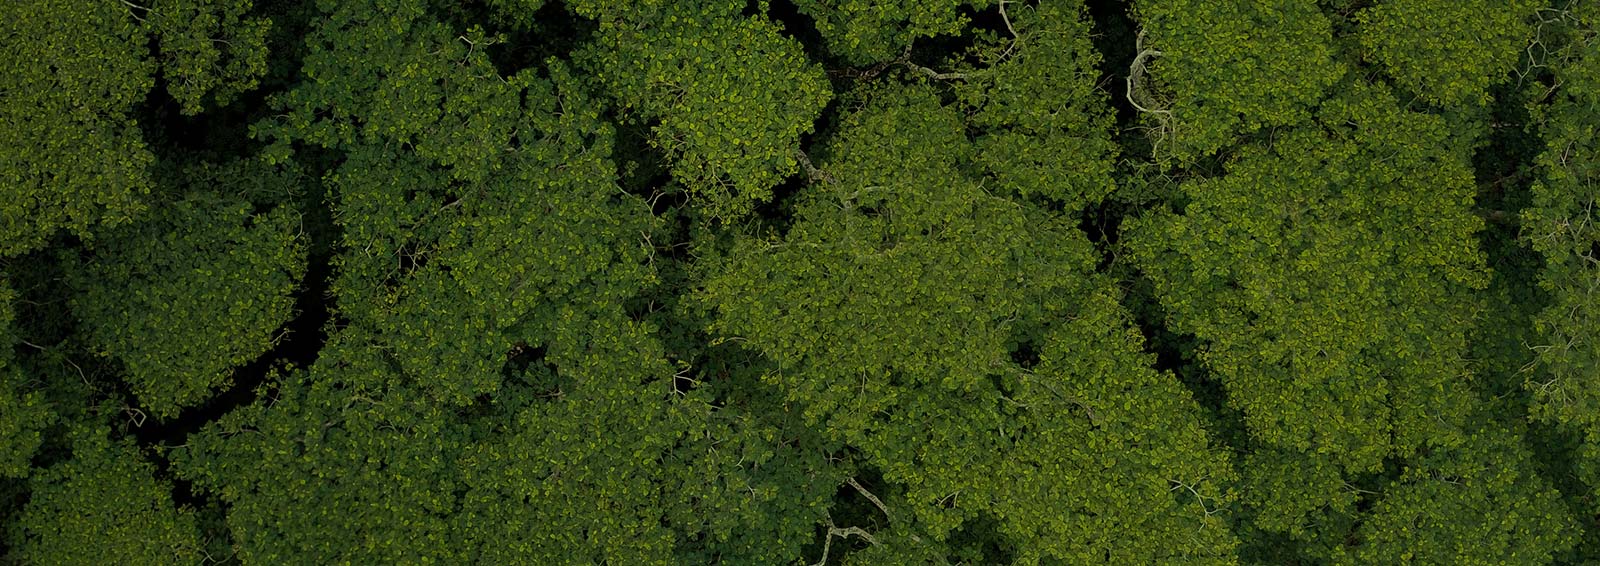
[380, 75]
[728, 97]
[187, 296]
[1475, 504]
[454, 274]
[70, 154]
[1104, 460]
[505, 218]
[1218, 70]
[486, 399]
[573, 462]
[1332, 279]
[1291, 493]
[890, 311]
[1331, 276]
[1447, 51]
[959, 323]
[102, 507]
[23, 414]
[1563, 224]
[877, 251]
[519, 12]
[208, 48]
[1045, 127]
[870, 32]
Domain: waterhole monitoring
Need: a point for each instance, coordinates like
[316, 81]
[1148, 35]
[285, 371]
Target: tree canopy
[806, 282]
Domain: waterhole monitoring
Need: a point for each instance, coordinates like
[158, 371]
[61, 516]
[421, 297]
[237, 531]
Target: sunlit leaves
[728, 98]
[187, 296]
[210, 50]
[1045, 127]
[891, 310]
[70, 153]
[1476, 504]
[1448, 52]
[102, 506]
[1331, 276]
[1563, 224]
[1218, 70]
[869, 32]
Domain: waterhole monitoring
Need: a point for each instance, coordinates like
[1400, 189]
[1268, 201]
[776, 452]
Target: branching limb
[847, 532]
[1136, 72]
[1141, 99]
[1015, 37]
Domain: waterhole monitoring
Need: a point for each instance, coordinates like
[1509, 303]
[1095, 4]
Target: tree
[70, 149]
[1476, 503]
[866, 33]
[1207, 72]
[1331, 277]
[102, 506]
[1448, 53]
[891, 311]
[184, 298]
[210, 50]
[727, 97]
[1560, 225]
[23, 413]
[1044, 126]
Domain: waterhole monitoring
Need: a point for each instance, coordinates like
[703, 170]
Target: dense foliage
[800, 282]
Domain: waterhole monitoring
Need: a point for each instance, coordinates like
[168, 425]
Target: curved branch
[1136, 71]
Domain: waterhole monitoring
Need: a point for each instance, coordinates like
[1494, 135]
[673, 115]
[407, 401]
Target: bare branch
[1136, 71]
[1015, 37]
[834, 531]
[870, 497]
[935, 75]
[811, 169]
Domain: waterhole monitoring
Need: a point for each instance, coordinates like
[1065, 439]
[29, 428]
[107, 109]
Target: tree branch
[935, 75]
[1015, 37]
[811, 169]
[834, 531]
[1135, 72]
[870, 497]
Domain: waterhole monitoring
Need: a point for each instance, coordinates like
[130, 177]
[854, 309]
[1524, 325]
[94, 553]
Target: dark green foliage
[1447, 52]
[211, 50]
[1219, 69]
[936, 403]
[1561, 225]
[184, 298]
[1334, 271]
[1045, 127]
[805, 282]
[23, 414]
